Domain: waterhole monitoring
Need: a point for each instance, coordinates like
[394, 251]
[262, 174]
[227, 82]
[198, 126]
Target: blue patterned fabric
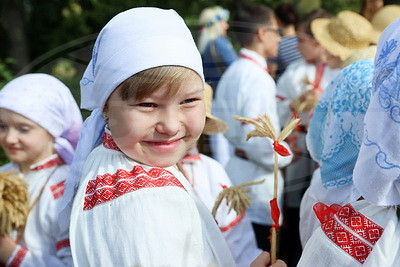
[377, 172]
[336, 128]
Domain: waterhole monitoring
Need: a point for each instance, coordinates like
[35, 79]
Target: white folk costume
[367, 232]
[334, 139]
[125, 213]
[143, 200]
[49, 103]
[208, 178]
[246, 89]
[297, 79]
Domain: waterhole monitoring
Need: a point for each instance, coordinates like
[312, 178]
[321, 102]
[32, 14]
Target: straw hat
[213, 125]
[382, 18]
[343, 34]
[368, 52]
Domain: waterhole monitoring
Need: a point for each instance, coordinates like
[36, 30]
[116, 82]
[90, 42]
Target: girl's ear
[105, 111]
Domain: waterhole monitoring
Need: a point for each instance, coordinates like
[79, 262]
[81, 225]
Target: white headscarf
[48, 102]
[132, 41]
[377, 171]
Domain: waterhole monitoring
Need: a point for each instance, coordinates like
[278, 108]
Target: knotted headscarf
[336, 129]
[377, 171]
[46, 101]
[132, 41]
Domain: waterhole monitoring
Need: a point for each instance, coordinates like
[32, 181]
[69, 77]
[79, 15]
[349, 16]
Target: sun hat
[213, 124]
[368, 52]
[343, 34]
[382, 18]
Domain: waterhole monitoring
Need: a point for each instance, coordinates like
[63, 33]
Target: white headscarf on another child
[377, 171]
[132, 41]
[46, 101]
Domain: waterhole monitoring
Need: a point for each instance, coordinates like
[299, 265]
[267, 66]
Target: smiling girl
[39, 129]
[132, 206]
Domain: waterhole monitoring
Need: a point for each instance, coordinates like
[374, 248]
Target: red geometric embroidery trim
[108, 142]
[19, 257]
[346, 240]
[111, 186]
[51, 163]
[58, 189]
[62, 244]
[360, 224]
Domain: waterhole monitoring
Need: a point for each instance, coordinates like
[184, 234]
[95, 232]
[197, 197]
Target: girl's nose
[11, 136]
[168, 123]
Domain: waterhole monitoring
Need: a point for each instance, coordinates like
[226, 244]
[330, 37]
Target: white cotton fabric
[321, 251]
[132, 41]
[160, 226]
[246, 89]
[291, 85]
[41, 232]
[46, 101]
[207, 177]
[377, 171]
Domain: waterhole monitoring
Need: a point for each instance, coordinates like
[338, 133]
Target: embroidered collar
[108, 141]
[53, 160]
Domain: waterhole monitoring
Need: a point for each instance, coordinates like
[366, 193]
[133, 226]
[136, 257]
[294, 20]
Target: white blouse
[130, 214]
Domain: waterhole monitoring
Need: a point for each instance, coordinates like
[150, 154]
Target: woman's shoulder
[8, 167]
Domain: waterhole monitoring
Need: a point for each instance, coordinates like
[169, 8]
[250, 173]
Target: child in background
[208, 179]
[40, 124]
[303, 75]
[132, 206]
[340, 113]
[246, 89]
[367, 232]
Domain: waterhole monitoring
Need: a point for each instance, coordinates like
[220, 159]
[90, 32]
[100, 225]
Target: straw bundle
[264, 128]
[237, 198]
[305, 102]
[14, 202]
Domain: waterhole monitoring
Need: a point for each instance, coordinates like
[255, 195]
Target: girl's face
[158, 130]
[309, 48]
[24, 141]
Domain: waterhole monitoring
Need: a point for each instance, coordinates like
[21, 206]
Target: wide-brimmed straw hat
[213, 125]
[343, 34]
[382, 18]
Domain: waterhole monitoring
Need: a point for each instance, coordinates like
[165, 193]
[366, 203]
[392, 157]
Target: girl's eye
[3, 126]
[24, 129]
[190, 100]
[146, 105]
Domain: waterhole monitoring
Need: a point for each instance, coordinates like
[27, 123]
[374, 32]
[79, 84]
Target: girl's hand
[264, 260]
[7, 246]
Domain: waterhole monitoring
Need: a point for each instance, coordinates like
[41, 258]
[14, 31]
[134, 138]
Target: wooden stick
[273, 229]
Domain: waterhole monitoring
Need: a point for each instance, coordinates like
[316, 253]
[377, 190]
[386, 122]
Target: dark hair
[286, 13]
[248, 19]
[305, 22]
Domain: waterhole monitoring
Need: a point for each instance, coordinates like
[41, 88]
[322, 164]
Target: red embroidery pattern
[324, 212]
[360, 224]
[348, 241]
[62, 244]
[19, 257]
[108, 142]
[51, 163]
[111, 186]
[58, 189]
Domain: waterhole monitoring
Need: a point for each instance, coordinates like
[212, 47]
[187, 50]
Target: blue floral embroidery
[380, 157]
